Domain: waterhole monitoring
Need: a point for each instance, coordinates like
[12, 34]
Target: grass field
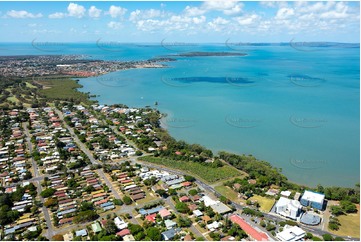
[64, 89]
[205, 173]
[227, 192]
[13, 99]
[350, 224]
[30, 85]
[265, 202]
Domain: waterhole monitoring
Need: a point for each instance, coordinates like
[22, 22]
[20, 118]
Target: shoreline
[95, 98]
[165, 128]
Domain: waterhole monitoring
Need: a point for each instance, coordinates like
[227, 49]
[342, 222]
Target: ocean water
[297, 108]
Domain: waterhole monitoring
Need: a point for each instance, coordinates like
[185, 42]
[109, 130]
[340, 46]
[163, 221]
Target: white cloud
[116, 12]
[247, 19]
[145, 14]
[275, 4]
[227, 7]
[22, 14]
[56, 15]
[94, 12]
[285, 13]
[218, 24]
[33, 25]
[194, 11]
[75, 10]
[114, 25]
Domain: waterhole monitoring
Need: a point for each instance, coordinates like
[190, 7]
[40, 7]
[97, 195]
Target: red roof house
[252, 232]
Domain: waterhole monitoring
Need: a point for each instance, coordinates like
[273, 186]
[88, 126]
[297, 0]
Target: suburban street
[50, 231]
[208, 188]
[89, 155]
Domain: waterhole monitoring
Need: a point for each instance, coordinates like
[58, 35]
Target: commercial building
[313, 199]
[288, 208]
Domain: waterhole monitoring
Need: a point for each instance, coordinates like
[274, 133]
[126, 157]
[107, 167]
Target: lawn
[13, 99]
[148, 198]
[350, 225]
[227, 192]
[30, 85]
[198, 170]
[265, 202]
[62, 89]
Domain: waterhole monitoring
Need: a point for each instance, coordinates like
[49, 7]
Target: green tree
[135, 228]
[182, 207]
[118, 202]
[162, 193]
[154, 234]
[348, 206]
[189, 178]
[184, 222]
[193, 192]
[85, 206]
[327, 237]
[336, 210]
[110, 227]
[48, 192]
[85, 216]
[127, 200]
[50, 202]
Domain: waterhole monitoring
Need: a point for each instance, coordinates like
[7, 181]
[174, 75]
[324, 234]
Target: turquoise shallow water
[299, 110]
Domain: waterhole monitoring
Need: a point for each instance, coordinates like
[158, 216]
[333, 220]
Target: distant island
[200, 53]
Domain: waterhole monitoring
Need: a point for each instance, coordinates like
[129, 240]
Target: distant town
[76, 170]
[71, 65]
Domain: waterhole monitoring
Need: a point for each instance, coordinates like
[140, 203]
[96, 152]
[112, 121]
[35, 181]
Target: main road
[206, 187]
[88, 154]
[50, 231]
[210, 189]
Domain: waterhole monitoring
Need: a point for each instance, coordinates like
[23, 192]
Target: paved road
[89, 154]
[194, 230]
[210, 189]
[50, 231]
[207, 187]
[34, 179]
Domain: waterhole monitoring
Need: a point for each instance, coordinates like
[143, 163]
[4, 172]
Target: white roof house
[213, 226]
[220, 208]
[285, 193]
[313, 197]
[208, 201]
[197, 213]
[288, 208]
[120, 223]
[291, 233]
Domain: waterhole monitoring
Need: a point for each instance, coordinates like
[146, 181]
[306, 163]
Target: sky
[201, 22]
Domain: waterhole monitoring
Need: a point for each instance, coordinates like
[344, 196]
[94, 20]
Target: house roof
[220, 208]
[188, 237]
[192, 206]
[206, 218]
[82, 232]
[164, 212]
[252, 232]
[197, 213]
[151, 217]
[96, 227]
[123, 232]
[313, 196]
[169, 223]
[184, 199]
[169, 234]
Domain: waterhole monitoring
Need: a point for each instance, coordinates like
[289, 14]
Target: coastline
[93, 98]
[165, 128]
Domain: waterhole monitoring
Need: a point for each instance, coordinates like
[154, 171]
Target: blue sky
[180, 21]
